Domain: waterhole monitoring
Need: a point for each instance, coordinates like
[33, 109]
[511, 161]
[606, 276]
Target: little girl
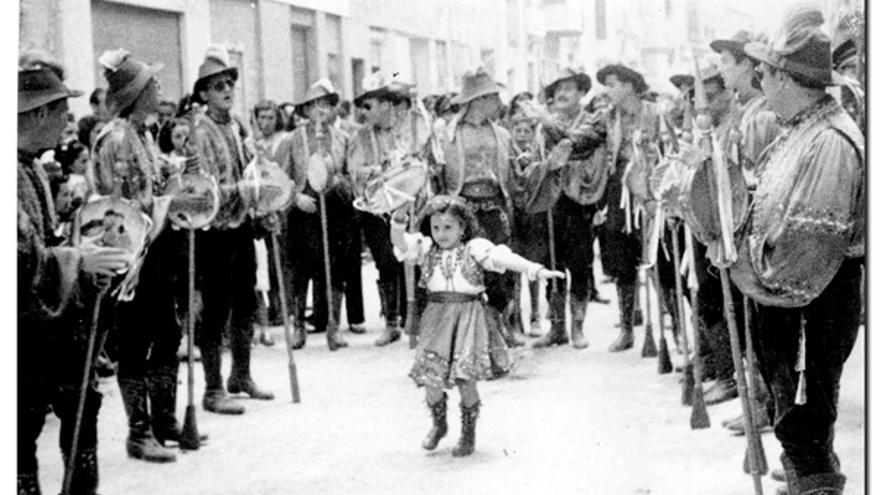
[458, 344]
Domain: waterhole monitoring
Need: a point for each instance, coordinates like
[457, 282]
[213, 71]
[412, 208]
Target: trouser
[226, 273]
[147, 328]
[573, 241]
[354, 291]
[831, 325]
[377, 234]
[50, 366]
[306, 254]
[666, 273]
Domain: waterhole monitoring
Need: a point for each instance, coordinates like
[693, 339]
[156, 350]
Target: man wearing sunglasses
[225, 257]
[801, 250]
[374, 148]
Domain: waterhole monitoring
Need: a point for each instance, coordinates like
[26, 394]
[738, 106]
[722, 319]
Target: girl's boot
[440, 427]
[468, 430]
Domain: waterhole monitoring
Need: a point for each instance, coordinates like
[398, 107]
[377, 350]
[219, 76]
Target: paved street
[564, 422]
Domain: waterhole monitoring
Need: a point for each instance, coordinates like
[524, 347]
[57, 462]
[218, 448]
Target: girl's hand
[545, 274]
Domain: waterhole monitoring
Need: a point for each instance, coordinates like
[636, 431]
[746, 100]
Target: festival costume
[225, 266]
[147, 331]
[476, 166]
[583, 180]
[304, 242]
[621, 238]
[800, 254]
[54, 308]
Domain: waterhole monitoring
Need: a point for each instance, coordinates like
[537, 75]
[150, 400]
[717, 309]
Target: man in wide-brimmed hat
[226, 261]
[55, 283]
[743, 130]
[802, 250]
[621, 234]
[375, 148]
[318, 138]
[147, 332]
[581, 178]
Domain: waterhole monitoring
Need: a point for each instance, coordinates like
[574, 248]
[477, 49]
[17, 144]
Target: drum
[195, 199]
[665, 184]
[266, 187]
[115, 222]
[699, 200]
[396, 187]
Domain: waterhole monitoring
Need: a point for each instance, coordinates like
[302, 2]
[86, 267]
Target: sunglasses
[222, 84]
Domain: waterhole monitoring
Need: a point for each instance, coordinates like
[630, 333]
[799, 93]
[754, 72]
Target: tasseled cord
[800, 397]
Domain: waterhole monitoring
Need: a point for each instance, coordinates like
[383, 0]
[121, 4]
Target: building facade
[282, 46]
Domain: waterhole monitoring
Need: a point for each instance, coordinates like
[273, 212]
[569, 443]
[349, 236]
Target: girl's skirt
[458, 341]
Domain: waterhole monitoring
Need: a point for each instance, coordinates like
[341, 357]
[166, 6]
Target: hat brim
[463, 99]
[123, 99]
[383, 93]
[679, 80]
[624, 73]
[299, 108]
[732, 46]
[198, 87]
[761, 53]
[27, 102]
[582, 80]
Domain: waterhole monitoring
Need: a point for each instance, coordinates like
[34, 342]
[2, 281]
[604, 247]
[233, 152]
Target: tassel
[800, 397]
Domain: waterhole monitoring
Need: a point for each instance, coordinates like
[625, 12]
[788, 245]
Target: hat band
[789, 65]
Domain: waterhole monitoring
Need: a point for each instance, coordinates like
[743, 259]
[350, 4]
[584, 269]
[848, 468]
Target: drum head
[394, 188]
[317, 174]
[195, 200]
[115, 223]
[699, 203]
[268, 189]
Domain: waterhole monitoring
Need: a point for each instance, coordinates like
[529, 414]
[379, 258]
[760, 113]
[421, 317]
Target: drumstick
[282, 295]
[84, 386]
[189, 436]
[409, 272]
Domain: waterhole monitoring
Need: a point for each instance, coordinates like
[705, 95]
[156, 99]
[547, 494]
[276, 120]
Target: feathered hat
[126, 78]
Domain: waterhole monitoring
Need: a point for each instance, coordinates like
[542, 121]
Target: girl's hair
[68, 153]
[166, 145]
[455, 206]
[270, 106]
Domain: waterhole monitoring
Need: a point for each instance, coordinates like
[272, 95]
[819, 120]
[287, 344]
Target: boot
[334, 339]
[468, 430]
[512, 320]
[440, 426]
[722, 390]
[28, 484]
[163, 403]
[299, 335]
[779, 474]
[578, 315]
[557, 334]
[534, 316]
[817, 484]
[141, 444]
[597, 298]
[240, 380]
[85, 472]
[626, 301]
[215, 399]
[390, 334]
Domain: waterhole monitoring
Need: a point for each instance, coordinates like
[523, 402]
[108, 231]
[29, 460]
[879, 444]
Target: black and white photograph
[583, 247]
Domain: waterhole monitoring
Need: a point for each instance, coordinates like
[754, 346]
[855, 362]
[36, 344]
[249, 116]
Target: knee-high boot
[557, 334]
[85, 472]
[216, 400]
[468, 437]
[578, 315]
[334, 339]
[626, 302]
[388, 297]
[439, 426]
[534, 314]
[240, 380]
[141, 444]
[162, 384]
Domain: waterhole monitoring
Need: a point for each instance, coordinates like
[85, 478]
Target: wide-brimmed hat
[383, 87]
[623, 73]
[736, 44]
[474, 85]
[126, 78]
[679, 80]
[323, 88]
[577, 74]
[41, 85]
[843, 52]
[800, 48]
[216, 62]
